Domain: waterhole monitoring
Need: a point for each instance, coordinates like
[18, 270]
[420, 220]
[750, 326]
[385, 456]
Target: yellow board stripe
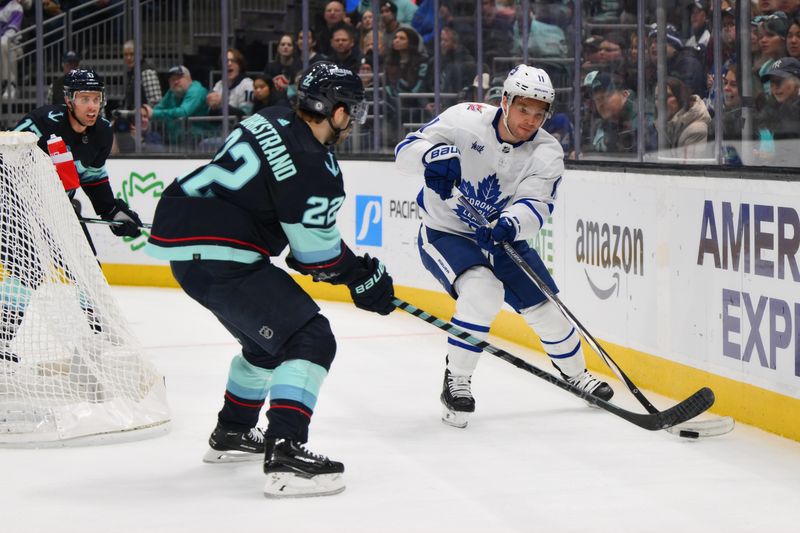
[748, 404]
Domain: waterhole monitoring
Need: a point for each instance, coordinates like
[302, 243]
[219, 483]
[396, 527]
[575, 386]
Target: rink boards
[688, 281]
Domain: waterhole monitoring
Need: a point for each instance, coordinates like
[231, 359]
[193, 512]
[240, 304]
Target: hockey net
[70, 368]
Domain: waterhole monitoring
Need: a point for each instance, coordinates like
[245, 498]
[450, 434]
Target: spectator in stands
[732, 120]
[457, 65]
[793, 38]
[615, 105]
[240, 88]
[366, 46]
[390, 24]
[266, 94]
[772, 43]
[333, 15]
[124, 141]
[686, 129]
[728, 37]
[790, 7]
[545, 39]
[423, 22]
[69, 61]
[185, 98]
[779, 121]
[313, 51]
[498, 30]
[10, 25]
[494, 96]
[682, 62]
[698, 16]
[364, 26]
[286, 65]
[767, 7]
[404, 9]
[151, 87]
[343, 45]
[406, 67]
[560, 127]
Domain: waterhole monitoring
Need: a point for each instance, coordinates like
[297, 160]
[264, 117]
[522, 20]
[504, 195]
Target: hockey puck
[689, 434]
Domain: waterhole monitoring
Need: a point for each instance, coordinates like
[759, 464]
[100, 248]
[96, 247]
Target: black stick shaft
[108, 222]
[679, 413]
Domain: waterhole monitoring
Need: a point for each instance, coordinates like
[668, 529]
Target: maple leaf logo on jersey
[486, 199]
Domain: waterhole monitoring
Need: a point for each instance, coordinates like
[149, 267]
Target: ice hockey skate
[230, 446]
[591, 384]
[457, 400]
[294, 472]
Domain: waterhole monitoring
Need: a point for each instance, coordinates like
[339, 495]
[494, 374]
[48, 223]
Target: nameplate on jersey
[271, 143]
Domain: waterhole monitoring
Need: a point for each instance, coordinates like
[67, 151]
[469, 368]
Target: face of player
[525, 116]
[86, 106]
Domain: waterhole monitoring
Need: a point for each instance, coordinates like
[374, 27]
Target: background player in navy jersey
[509, 169]
[274, 183]
[88, 137]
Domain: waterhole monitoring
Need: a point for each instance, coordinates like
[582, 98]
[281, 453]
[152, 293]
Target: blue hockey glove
[442, 169]
[488, 236]
[129, 221]
[375, 290]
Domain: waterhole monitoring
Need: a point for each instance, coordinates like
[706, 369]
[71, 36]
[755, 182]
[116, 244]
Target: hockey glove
[129, 221]
[442, 169]
[503, 231]
[374, 291]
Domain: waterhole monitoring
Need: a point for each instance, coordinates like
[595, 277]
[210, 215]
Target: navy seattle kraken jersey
[271, 184]
[89, 149]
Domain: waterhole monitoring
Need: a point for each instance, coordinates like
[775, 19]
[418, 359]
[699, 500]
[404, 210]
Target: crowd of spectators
[678, 64]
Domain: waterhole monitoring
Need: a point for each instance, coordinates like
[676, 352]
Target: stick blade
[694, 405]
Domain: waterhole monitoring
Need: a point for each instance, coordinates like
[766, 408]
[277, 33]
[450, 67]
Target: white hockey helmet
[529, 82]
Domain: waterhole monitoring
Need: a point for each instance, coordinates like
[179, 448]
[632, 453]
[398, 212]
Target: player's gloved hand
[375, 290]
[503, 231]
[442, 169]
[129, 221]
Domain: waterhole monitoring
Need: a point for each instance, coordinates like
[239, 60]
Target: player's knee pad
[558, 336]
[313, 342]
[480, 295]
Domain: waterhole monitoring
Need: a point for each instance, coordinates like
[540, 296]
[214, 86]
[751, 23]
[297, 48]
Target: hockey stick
[108, 222]
[677, 414]
[692, 430]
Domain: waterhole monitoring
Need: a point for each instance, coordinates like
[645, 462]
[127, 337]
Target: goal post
[70, 368]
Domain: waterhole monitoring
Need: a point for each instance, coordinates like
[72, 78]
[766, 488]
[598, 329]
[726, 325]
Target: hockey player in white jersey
[509, 169]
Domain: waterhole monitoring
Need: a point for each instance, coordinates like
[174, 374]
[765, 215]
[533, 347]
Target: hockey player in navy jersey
[509, 169]
[274, 183]
[88, 136]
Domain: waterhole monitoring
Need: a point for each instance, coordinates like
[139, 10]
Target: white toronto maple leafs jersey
[520, 180]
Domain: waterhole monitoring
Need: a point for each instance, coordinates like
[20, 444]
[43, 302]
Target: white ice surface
[533, 458]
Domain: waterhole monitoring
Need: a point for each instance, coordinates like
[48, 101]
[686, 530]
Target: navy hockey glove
[129, 221]
[374, 291]
[442, 169]
[503, 231]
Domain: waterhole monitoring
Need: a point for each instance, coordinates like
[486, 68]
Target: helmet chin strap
[509, 99]
[337, 132]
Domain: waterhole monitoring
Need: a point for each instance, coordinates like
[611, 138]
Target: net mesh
[69, 365]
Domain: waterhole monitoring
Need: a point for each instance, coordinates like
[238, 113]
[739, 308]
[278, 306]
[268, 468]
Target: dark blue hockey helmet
[82, 79]
[324, 85]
